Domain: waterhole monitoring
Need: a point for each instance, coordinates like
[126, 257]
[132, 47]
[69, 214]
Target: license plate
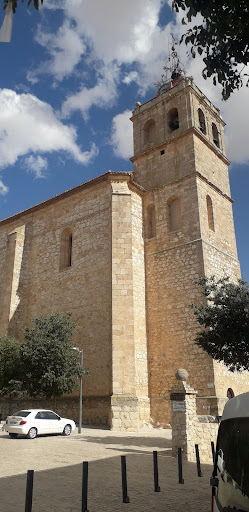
[13, 422]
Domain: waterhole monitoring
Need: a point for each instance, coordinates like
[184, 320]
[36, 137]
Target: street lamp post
[80, 397]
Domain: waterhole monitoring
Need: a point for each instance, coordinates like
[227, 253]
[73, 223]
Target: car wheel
[67, 430]
[12, 434]
[32, 433]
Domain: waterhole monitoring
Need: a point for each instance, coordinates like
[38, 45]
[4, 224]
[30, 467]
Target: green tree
[36, 4]
[222, 39]
[51, 366]
[225, 316]
[11, 371]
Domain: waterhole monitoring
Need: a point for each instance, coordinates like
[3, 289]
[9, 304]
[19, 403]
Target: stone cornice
[174, 137]
[201, 177]
[108, 176]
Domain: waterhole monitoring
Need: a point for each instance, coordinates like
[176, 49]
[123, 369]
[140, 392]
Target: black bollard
[29, 490]
[155, 464]
[84, 487]
[199, 472]
[213, 451]
[180, 479]
[126, 498]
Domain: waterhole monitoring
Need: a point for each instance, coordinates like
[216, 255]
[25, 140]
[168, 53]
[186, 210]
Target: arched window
[66, 248]
[149, 132]
[215, 135]
[210, 213]
[173, 119]
[151, 221]
[175, 215]
[202, 122]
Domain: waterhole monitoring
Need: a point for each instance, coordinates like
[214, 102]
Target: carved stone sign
[179, 406]
[178, 397]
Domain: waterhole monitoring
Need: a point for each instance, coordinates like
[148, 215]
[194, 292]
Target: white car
[32, 422]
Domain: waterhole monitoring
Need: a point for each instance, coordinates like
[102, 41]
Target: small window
[175, 215]
[66, 249]
[210, 213]
[162, 152]
[40, 416]
[23, 414]
[149, 132]
[215, 135]
[151, 221]
[173, 119]
[51, 416]
[202, 122]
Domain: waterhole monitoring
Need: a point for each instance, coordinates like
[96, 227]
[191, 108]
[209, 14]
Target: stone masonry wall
[174, 261]
[104, 288]
[185, 165]
[95, 410]
[84, 288]
[12, 248]
[130, 404]
[188, 429]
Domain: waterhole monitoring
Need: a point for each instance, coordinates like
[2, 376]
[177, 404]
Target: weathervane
[173, 70]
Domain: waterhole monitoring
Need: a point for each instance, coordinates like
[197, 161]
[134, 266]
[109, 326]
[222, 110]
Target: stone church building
[122, 252]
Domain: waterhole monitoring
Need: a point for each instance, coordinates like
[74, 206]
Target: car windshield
[233, 464]
[23, 414]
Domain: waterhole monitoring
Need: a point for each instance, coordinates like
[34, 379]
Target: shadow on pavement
[59, 489]
[129, 440]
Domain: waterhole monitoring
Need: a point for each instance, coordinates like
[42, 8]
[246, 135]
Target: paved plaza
[57, 462]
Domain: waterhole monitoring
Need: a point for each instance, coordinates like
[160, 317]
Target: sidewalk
[57, 462]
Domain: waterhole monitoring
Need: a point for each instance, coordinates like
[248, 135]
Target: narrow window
[202, 122]
[173, 119]
[70, 246]
[210, 213]
[66, 249]
[215, 135]
[175, 216]
[151, 221]
[162, 152]
[149, 132]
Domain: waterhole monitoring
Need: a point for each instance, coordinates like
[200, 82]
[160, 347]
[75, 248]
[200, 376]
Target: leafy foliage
[14, 4]
[51, 366]
[225, 315]
[222, 38]
[11, 381]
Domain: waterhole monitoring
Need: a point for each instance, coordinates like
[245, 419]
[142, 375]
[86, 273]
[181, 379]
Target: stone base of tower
[129, 412]
[160, 410]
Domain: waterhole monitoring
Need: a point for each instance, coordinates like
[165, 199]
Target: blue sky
[69, 80]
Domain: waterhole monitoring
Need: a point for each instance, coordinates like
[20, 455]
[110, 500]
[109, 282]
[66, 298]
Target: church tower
[180, 161]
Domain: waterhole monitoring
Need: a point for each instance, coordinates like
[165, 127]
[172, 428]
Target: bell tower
[180, 161]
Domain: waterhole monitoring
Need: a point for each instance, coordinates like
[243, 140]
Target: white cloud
[117, 30]
[123, 43]
[102, 95]
[31, 126]
[65, 48]
[3, 189]
[130, 77]
[121, 138]
[36, 164]
[114, 33]
[236, 131]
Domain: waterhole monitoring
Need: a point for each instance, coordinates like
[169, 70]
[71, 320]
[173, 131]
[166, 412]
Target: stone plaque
[177, 397]
[179, 406]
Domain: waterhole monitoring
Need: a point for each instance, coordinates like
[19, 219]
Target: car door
[56, 425]
[42, 422]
